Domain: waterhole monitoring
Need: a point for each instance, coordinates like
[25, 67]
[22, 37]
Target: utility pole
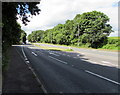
[78, 35]
[51, 36]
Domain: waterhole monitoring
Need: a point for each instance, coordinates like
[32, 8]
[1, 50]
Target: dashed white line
[102, 77]
[68, 55]
[58, 60]
[75, 57]
[34, 54]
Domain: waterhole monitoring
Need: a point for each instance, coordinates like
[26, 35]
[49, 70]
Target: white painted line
[34, 54]
[28, 61]
[83, 59]
[105, 61]
[68, 55]
[102, 77]
[78, 55]
[92, 61]
[58, 60]
[75, 57]
[23, 53]
[109, 63]
[53, 54]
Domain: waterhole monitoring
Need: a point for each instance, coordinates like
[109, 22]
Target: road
[70, 72]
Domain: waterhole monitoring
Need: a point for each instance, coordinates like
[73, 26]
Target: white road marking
[68, 55]
[24, 54]
[28, 61]
[75, 57]
[109, 63]
[58, 60]
[102, 77]
[45, 91]
[53, 54]
[92, 61]
[34, 54]
[105, 61]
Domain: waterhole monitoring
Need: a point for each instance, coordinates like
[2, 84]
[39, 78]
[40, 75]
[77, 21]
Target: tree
[23, 36]
[90, 29]
[95, 29]
[11, 30]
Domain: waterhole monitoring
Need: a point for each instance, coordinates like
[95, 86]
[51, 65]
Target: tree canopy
[11, 30]
[90, 29]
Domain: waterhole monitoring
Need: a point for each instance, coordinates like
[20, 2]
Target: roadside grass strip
[52, 48]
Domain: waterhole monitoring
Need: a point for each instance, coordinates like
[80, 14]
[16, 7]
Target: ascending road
[68, 72]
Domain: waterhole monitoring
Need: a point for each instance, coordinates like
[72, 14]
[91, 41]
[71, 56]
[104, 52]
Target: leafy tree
[90, 29]
[11, 30]
[23, 36]
[95, 29]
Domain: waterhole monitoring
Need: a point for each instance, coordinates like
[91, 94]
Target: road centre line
[102, 77]
[58, 60]
[34, 54]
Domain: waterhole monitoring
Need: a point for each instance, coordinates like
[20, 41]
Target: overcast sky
[54, 12]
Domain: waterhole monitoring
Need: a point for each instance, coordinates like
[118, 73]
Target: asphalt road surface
[71, 72]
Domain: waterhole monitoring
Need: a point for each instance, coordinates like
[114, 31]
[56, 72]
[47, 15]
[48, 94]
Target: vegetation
[11, 30]
[113, 43]
[23, 37]
[52, 48]
[90, 29]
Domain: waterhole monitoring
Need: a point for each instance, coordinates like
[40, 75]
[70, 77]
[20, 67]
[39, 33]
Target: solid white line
[105, 61]
[102, 77]
[24, 54]
[53, 54]
[58, 60]
[34, 54]
[45, 91]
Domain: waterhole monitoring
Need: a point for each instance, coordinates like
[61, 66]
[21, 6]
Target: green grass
[112, 45]
[52, 48]
[114, 37]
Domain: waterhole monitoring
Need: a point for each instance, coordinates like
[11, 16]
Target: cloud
[54, 12]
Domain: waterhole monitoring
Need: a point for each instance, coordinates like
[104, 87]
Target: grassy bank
[112, 45]
[52, 48]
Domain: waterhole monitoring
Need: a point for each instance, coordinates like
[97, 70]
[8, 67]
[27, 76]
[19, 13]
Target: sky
[54, 12]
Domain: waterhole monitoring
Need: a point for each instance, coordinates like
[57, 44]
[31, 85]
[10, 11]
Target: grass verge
[52, 48]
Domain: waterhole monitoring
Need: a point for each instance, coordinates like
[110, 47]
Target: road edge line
[32, 70]
[102, 77]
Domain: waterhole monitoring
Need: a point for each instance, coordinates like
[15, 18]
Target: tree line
[90, 29]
